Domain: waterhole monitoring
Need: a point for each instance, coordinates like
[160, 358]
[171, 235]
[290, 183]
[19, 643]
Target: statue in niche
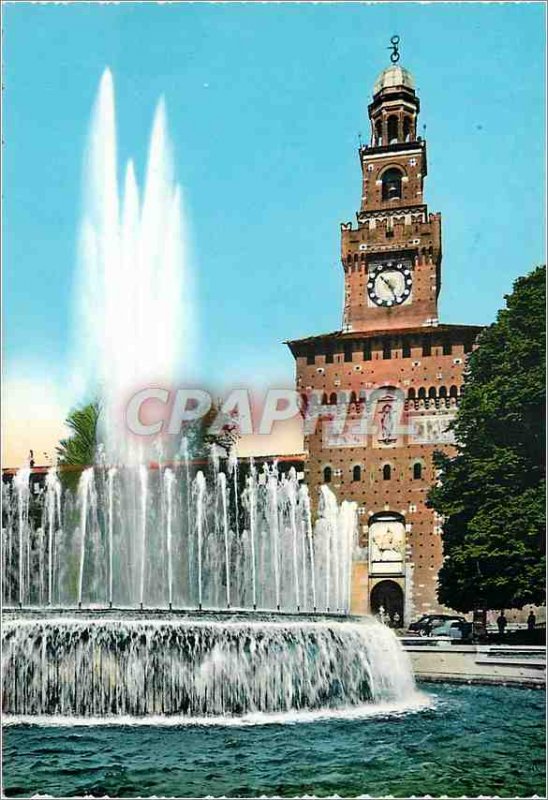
[387, 422]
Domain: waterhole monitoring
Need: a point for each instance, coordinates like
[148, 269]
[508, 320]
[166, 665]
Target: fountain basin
[111, 663]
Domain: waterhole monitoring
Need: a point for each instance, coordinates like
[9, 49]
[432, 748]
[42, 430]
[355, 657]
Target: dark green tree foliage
[79, 448]
[492, 493]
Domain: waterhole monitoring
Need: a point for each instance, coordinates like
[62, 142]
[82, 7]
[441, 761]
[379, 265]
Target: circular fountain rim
[73, 614]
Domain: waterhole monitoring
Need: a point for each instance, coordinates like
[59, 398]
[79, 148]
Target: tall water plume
[133, 299]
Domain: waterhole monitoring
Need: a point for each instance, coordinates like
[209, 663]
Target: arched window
[417, 471]
[327, 474]
[453, 391]
[432, 393]
[443, 391]
[422, 393]
[324, 399]
[392, 129]
[353, 398]
[333, 399]
[357, 473]
[386, 472]
[391, 184]
[411, 394]
[378, 131]
[407, 129]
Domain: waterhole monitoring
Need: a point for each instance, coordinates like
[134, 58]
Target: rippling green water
[473, 741]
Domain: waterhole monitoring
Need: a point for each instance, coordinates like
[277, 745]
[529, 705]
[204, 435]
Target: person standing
[502, 622]
[531, 621]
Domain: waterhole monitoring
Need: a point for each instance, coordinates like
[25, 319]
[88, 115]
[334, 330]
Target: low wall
[438, 660]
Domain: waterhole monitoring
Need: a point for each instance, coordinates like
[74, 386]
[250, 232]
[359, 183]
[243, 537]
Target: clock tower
[392, 259]
[391, 377]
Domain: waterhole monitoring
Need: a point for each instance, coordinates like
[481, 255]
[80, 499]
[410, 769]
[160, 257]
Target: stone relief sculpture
[432, 429]
[387, 541]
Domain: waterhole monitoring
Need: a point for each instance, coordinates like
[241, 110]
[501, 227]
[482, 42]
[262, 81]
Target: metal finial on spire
[395, 54]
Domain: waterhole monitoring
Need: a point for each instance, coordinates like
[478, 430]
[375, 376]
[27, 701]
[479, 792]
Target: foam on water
[416, 702]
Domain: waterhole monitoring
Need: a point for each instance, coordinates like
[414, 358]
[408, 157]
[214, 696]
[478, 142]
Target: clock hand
[390, 286]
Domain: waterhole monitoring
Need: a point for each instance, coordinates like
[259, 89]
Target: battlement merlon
[413, 227]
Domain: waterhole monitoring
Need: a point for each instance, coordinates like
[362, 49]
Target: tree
[78, 449]
[491, 494]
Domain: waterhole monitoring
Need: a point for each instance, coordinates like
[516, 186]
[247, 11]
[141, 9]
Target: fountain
[175, 588]
[253, 547]
[197, 667]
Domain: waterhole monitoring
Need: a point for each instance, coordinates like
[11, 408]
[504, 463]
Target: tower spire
[394, 46]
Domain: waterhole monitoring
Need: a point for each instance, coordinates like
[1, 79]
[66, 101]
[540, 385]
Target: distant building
[392, 362]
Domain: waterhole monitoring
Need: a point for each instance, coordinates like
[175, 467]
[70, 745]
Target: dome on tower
[393, 76]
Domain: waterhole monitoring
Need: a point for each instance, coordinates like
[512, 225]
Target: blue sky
[265, 103]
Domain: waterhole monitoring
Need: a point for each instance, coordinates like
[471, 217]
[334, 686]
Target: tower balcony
[368, 150]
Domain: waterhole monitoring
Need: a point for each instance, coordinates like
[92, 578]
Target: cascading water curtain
[199, 668]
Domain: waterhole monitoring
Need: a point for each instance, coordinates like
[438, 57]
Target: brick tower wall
[432, 366]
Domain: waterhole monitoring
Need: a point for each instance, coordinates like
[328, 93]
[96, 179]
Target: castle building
[389, 381]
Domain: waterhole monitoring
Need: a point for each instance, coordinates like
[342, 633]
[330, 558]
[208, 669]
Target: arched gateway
[389, 595]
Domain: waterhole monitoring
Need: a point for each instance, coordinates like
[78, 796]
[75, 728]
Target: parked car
[427, 622]
[454, 629]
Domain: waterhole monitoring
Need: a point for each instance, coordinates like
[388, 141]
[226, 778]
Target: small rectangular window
[387, 349]
[348, 352]
[367, 351]
[329, 357]
[310, 358]
[406, 349]
[446, 348]
[426, 347]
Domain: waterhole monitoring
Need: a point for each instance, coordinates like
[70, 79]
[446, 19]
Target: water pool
[470, 740]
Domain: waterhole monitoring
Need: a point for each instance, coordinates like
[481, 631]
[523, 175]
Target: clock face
[389, 284]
